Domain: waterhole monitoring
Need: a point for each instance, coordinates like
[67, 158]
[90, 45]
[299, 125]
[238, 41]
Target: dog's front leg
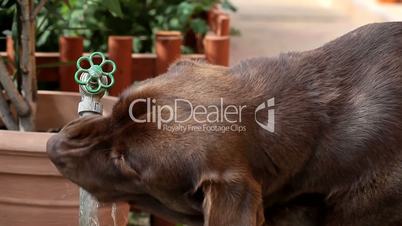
[233, 203]
[151, 205]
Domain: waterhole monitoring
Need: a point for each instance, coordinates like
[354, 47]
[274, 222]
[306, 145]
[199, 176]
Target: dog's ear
[235, 203]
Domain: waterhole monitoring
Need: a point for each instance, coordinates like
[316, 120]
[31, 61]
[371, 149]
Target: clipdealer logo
[270, 124]
[211, 118]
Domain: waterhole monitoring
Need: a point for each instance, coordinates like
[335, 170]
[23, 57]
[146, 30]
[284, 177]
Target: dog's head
[110, 156]
[87, 152]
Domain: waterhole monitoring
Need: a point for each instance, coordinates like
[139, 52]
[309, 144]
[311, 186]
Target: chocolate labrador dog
[309, 138]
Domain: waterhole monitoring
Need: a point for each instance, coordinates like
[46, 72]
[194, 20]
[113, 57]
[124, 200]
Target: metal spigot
[94, 82]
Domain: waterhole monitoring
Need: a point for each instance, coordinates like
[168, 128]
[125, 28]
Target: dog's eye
[196, 198]
[198, 195]
[114, 155]
[119, 160]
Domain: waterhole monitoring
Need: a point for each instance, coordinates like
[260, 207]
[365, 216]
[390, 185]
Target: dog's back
[339, 123]
[360, 150]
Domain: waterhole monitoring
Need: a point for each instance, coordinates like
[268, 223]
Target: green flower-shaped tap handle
[94, 82]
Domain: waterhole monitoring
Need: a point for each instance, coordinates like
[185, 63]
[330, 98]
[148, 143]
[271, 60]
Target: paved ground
[270, 27]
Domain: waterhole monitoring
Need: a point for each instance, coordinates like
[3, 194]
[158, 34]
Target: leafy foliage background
[95, 20]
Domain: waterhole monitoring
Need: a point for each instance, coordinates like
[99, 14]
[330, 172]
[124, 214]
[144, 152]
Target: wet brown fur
[335, 158]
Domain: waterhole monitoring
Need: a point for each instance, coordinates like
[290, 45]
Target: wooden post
[212, 16]
[223, 25]
[26, 56]
[217, 49]
[168, 49]
[143, 66]
[70, 48]
[119, 50]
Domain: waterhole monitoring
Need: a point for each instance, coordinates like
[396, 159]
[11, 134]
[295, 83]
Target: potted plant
[32, 192]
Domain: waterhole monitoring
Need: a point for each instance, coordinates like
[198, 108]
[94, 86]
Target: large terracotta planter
[32, 192]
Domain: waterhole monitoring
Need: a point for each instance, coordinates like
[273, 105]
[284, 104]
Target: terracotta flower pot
[119, 50]
[168, 49]
[70, 48]
[217, 49]
[32, 192]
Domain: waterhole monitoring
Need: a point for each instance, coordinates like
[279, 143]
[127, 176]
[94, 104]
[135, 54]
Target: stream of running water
[89, 211]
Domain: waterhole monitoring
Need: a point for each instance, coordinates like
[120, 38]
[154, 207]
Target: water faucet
[93, 82]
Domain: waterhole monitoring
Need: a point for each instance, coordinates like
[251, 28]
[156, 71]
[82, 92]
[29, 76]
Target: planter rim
[67, 93]
[216, 37]
[11, 144]
[143, 55]
[47, 54]
[223, 16]
[10, 139]
[40, 203]
[168, 35]
[169, 38]
[120, 37]
[71, 37]
[160, 34]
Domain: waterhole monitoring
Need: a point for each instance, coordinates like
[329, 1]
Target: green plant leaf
[235, 32]
[114, 7]
[184, 11]
[6, 32]
[199, 26]
[186, 50]
[226, 4]
[174, 24]
[41, 40]
[5, 4]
